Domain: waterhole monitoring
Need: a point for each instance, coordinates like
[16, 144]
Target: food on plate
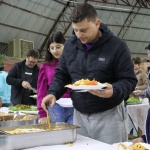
[122, 146]
[24, 118]
[2, 113]
[137, 146]
[19, 131]
[29, 130]
[15, 119]
[133, 100]
[22, 107]
[86, 82]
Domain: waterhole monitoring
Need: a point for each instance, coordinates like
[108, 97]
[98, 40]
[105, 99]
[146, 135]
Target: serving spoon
[16, 114]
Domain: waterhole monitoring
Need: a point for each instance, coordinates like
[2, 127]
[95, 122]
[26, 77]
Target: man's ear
[98, 22]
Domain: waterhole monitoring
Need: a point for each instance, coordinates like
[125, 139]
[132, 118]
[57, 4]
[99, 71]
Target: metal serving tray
[66, 133]
[7, 121]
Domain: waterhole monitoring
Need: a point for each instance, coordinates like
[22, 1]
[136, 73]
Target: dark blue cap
[147, 47]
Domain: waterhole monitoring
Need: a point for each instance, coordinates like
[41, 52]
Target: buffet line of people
[93, 52]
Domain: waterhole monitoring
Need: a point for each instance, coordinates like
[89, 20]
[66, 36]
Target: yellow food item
[19, 131]
[25, 118]
[137, 146]
[70, 144]
[2, 113]
[29, 130]
[85, 82]
[15, 119]
[21, 119]
[122, 147]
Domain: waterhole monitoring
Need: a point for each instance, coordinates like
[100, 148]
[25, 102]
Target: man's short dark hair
[33, 53]
[83, 11]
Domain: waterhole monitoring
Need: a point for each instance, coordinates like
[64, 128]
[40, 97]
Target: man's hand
[26, 85]
[137, 140]
[49, 99]
[138, 93]
[107, 93]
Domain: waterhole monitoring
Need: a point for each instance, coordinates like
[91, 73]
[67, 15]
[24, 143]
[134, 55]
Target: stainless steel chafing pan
[65, 133]
[8, 120]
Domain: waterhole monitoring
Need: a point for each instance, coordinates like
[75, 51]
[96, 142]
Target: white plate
[87, 87]
[65, 102]
[115, 146]
[135, 92]
[134, 103]
[29, 112]
[25, 112]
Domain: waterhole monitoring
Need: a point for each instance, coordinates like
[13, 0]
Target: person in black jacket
[23, 77]
[93, 52]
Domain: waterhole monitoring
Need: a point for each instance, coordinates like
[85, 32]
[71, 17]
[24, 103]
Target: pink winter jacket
[45, 78]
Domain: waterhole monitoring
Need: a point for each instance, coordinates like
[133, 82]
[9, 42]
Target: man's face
[31, 61]
[86, 31]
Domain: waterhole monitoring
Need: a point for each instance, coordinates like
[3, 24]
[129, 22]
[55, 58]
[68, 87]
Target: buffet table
[82, 143]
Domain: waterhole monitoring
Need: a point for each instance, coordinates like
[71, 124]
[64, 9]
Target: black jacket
[108, 60]
[16, 75]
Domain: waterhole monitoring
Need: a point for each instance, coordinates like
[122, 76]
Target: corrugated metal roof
[34, 20]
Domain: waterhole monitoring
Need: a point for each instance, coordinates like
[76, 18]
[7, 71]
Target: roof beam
[124, 24]
[53, 27]
[28, 11]
[142, 3]
[14, 27]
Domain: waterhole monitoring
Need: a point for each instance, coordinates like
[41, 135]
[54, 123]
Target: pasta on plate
[137, 146]
[85, 82]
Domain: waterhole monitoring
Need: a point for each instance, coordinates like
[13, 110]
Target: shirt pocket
[104, 68]
[104, 63]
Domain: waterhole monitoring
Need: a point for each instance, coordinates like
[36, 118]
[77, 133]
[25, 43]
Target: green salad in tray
[22, 107]
[133, 100]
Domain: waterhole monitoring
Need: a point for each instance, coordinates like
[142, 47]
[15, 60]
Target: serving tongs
[48, 118]
[16, 114]
[34, 90]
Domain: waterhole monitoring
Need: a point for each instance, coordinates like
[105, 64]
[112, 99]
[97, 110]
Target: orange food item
[85, 82]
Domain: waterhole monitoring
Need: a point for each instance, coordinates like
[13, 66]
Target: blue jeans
[61, 114]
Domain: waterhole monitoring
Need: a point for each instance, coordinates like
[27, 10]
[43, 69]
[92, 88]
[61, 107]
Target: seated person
[4, 89]
[140, 74]
[23, 78]
[145, 138]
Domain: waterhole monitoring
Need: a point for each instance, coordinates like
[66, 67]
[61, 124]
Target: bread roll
[122, 147]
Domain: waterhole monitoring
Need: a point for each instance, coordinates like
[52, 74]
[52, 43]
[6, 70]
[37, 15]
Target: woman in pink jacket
[57, 113]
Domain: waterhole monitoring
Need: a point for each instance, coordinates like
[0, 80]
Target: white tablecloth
[138, 114]
[4, 109]
[82, 143]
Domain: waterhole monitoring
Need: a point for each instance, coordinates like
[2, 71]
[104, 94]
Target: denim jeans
[61, 114]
